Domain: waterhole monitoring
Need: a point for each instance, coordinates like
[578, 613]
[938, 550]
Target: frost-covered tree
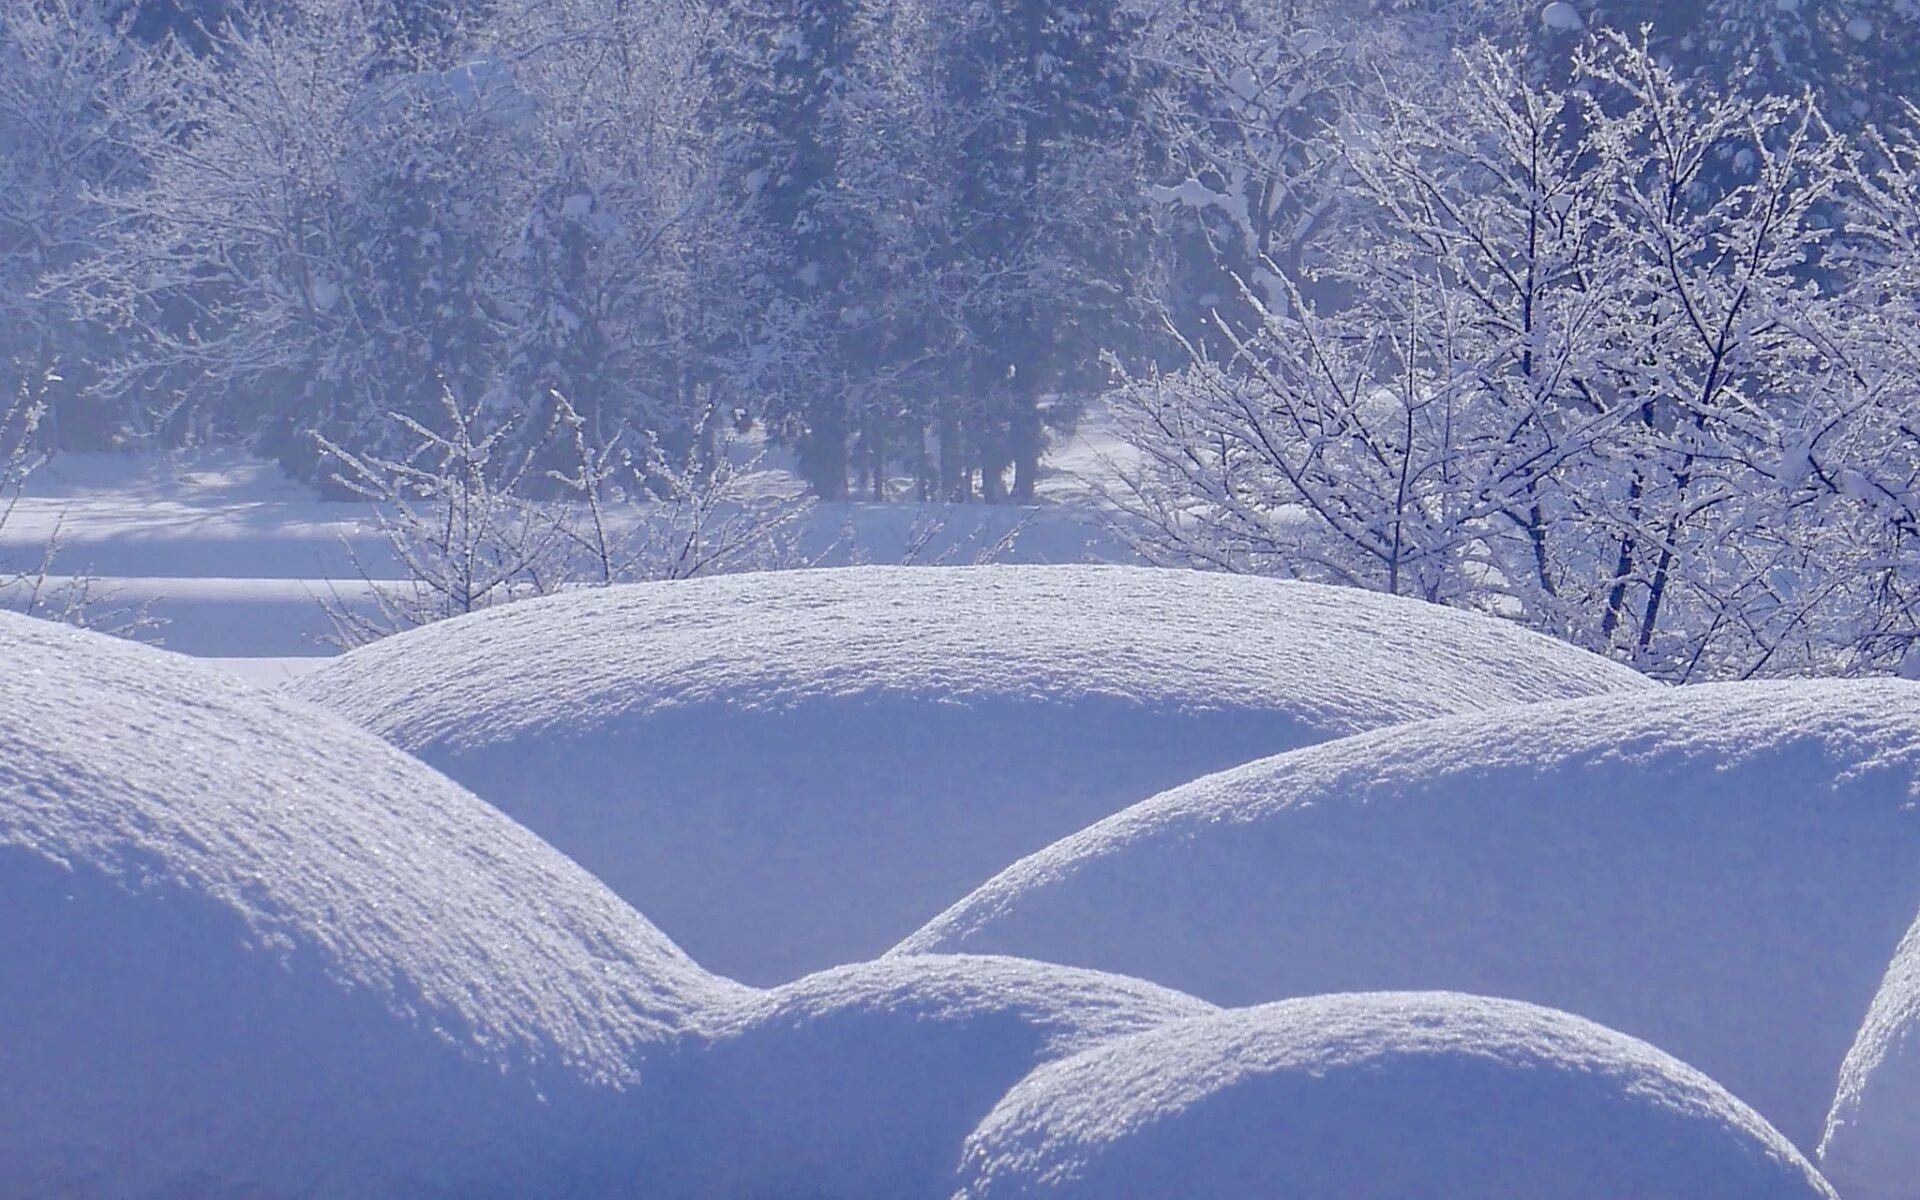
[1244, 103]
[1581, 377]
[1416, 437]
[632, 273]
[1721, 360]
[312, 243]
[63, 68]
[1038, 107]
[794, 85]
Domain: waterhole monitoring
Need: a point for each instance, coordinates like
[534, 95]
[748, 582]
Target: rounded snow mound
[1371, 1097]
[789, 771]
[248, 949]
[861, 1082]
[1871, 1148]
[1723, 871]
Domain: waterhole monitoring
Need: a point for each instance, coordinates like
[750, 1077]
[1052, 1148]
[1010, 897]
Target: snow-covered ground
[252, 949]
[1722, 870]
[246, 946]
[1380, 1097]
[233, 560]
[795, 769]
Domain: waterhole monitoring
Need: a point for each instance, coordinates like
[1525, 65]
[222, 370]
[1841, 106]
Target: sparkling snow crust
[793, 770]
[1871, 1149]
[862, 1082]
[251, 950]
[1408, 1096]
[1724, 871]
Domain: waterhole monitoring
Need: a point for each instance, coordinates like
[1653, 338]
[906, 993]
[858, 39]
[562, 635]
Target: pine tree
[1044, 133]
[785, 82]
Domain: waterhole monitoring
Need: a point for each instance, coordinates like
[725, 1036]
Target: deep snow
[1724, 871]
[249, 949]
[861, 1083]
[1871, 1148]
[1379, 1097]
[788, 771]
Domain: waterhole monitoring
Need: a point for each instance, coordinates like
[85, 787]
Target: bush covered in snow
[1386, 1096]
[792, 770]
[861, 1083]
[251, 950]
[1724, 871]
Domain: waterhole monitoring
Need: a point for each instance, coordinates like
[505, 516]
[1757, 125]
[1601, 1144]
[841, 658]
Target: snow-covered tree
[1415, 438]
[1244, 103]
[789, 80]
[311, 245]
[632, 271]
[1043, 151]
[1580, 376]
[63, 67]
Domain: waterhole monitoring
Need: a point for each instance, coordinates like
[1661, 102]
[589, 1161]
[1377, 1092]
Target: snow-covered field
[234, 561]
[1194, 885]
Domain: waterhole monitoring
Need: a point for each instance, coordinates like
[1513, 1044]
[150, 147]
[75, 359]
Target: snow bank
[1871, 1149]
[250, 950]
[793, 770]
[861, 1083]
[1723, 871]
[1366, 1097]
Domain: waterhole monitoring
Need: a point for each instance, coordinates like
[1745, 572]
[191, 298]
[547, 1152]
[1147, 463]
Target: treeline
[911, 238]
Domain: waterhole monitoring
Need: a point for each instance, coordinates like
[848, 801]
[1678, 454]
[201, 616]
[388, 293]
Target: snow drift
[251, 950]
[1723, 871]
[1871, 1149]
[1371, 1097]
[861, 1083]
[793, 770]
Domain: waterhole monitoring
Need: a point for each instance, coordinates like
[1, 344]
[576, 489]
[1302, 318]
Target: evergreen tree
[1042, 105]
[786, 84]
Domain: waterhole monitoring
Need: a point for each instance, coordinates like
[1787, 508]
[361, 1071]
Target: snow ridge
[793, 770]
[1724, 871]
[1370, 1097]
[244, 933]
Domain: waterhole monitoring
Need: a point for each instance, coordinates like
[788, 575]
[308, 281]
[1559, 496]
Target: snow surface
[861, 1083]
[234, 557]
[1408, 1096]
[251, 950]
[1871, 1148]
[1724, 871]
[793, 770]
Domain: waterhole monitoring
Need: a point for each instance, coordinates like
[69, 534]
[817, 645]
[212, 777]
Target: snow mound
[861, 1082]
[251, 950]
[1871, 1148]
[789, 771]
[1370, 1097]
[1723, 871]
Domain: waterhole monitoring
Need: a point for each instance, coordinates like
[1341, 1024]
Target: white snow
[251, 950]
[1562, 17]
[1431, 1096]
[234, 558]
[1871, 1148]
[793, 770]
[861, 1083]
[1724, 871]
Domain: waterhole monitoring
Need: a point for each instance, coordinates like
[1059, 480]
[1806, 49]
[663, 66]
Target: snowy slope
[793, 770]
[251, 950]
[1723, 871]
[861, 1083]
[1379, 1097]
[1871, 1149]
